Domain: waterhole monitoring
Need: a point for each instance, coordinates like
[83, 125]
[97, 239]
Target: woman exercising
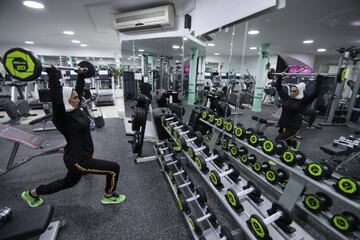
[293, 105]
[78, 153]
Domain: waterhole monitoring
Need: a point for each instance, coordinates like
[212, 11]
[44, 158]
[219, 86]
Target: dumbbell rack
[297, 181]
[210, 233]
[249, 206]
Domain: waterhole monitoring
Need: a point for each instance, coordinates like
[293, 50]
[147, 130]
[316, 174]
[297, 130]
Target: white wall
[212, 14]
[323, 62]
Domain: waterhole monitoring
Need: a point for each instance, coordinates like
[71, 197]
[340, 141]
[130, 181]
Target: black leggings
[287, 134]
[75, 172]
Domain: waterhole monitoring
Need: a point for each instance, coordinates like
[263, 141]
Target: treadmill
[105, 98]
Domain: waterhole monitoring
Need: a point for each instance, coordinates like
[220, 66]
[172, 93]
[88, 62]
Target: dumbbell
[248, 132]
[235, 151]
[193, 151]
[194, 222]
[347, 187]
[318, 171]
[204, 115]
[317, 202]
[225, 143]
[188, 183]
[346, 222]
[232, 172]
[211, 118]
[172, 175]
[229, 126]
[165, 119]
[225, 234]
[239, 131]
[218, 157]
[260, 167]
[291, 158]
[278, 214]
[5, 214]
[169, 163]
[256, 139]
[219, 122]
[198, 138]
[200, 197]
[274, 147]
[233, 197]
[245, 159]
[273, 177]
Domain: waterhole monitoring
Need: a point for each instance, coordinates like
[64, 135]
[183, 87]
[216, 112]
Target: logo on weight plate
[20, 64]
[341, 223]
[257, 228]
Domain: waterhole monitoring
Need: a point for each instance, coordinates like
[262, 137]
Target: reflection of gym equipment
[47, 146]
[44, 97]
[105, 99]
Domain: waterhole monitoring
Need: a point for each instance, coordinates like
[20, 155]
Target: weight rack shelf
[210, 233]
[249, 206]
[297, 177]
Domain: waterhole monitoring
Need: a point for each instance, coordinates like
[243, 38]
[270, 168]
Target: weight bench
[46, 146]
[30, 223]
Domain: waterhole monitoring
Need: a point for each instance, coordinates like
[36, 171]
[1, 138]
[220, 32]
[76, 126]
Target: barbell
[340, 76]
[23, 65]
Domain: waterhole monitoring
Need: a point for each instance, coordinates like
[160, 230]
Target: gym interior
[232, 119]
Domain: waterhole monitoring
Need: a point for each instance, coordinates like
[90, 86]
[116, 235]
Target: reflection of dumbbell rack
[294, 188]
[250, 206]
[189, 198]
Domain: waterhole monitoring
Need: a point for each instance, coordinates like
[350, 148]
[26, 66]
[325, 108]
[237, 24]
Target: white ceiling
[327, 22]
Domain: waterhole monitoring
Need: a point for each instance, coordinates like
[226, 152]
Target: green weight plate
[312, 203]
[253, 139]
[232, 198]
[315, 170]
[180, 204]
[219, 122]
[211, 118]
[268, 146]
[244, 158]
[229, 127]
[204, 115]
[347, 186]
[198, 163]
[213, 179]
[239, 133]
[288, 158]
[234, 151]
[340, 223]
[258, 228]
[257, 167]
[271, 176]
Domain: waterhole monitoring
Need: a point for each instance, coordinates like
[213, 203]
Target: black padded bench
[30, 223]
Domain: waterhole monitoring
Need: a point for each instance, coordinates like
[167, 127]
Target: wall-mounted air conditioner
[147, 19]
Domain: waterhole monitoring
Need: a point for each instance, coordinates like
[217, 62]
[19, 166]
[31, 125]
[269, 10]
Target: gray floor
[149, 212]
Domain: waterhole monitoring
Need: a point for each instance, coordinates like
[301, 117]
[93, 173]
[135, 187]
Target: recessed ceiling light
[75, 58]
[75, 41]
[211, 44]
[216, 54]
[83, 45]
[252, 48]
[185, 38]
[355, 23]
[321, 50]
[140, 55]
[87, 58]
[175, 46]
[33, 4]
[67, 32]
[308, 41]
[141, 50]
[177, 61]
[253, 32]
[100, 59]
[29, 42]
[129, 58]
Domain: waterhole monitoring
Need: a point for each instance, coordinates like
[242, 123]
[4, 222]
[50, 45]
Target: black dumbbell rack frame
[210, 233]
[289, 197]
[249, 206]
